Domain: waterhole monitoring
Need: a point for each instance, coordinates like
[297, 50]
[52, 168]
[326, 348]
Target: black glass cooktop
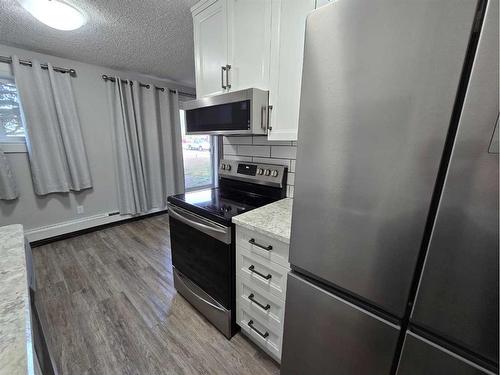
[219, 204]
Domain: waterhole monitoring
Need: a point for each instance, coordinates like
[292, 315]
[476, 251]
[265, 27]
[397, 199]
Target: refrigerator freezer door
[421, 357]
[324, 334]
[378, 88]
[458, 293]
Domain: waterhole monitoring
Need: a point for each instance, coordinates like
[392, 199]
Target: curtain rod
[147, 85]
[8, 60]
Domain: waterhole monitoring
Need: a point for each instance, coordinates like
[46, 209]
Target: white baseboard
[66, 227]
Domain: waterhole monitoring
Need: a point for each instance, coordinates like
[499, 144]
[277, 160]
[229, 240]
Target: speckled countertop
[16, 347]
[273, 220]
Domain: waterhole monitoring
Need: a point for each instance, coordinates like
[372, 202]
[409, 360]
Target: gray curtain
[147, 145]
[8, 186]
[58, 160]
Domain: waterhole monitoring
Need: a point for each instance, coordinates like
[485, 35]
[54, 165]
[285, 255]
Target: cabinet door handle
[222, 70]
[263, 335]
[252, 269]
[269, 108]
[252, 241]
[228, 67]
[265, 307]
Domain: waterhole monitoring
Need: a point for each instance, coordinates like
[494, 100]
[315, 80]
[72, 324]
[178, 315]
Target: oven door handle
[186, 284]
[213, 229]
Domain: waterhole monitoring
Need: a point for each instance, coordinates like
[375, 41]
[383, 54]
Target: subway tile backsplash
[253, 150]
[259, 149]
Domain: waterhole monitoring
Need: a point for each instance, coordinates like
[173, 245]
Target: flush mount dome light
[54, 13]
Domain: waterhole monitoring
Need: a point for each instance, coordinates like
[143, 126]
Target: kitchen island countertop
[16, 346]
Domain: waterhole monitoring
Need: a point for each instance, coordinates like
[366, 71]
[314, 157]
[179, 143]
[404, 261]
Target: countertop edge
[272, 220]
[24, 363]
[261, 230]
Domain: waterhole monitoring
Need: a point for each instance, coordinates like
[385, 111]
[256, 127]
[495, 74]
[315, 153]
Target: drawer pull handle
[252, 269]
[263, 335]
[252, 241]
[251, 298]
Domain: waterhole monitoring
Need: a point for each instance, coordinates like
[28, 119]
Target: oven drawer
[264, 305]
[260, 332]
[263, 246]
[203, 302]
[260, 273]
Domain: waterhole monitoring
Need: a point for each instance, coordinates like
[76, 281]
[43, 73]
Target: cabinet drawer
[266, 306]
[263, 246]
[255, 271]
[260, 333]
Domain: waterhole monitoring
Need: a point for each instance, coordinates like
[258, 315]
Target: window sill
[13, 148]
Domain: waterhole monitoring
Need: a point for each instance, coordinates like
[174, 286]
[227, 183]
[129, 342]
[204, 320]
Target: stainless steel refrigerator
[394, 246]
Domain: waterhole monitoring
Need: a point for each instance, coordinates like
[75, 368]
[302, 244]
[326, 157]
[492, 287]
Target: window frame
[14, 144]
[214, 159]
[212, 182]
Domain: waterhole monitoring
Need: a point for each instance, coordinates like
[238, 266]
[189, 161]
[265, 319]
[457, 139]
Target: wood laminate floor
[109, 305]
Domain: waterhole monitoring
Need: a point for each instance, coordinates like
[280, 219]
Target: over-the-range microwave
[233, 113]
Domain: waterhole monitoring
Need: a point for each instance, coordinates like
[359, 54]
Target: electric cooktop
[242, 187]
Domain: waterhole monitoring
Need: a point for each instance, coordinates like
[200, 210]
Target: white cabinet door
[210, 46]
[249, 44]
[286, 69]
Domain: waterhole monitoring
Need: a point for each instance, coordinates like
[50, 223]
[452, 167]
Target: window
[11, 122]
[199, 157]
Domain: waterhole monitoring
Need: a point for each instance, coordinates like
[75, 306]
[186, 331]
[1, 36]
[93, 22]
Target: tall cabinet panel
[458, 292]
[286, 68]
[210, 40]
[249, 43]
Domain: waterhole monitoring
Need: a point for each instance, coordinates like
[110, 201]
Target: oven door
[202, 252]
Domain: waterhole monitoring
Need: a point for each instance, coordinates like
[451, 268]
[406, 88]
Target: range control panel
[257, 173]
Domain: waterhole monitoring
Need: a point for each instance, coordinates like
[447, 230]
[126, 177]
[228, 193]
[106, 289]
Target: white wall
[259, 150]
[91, 96]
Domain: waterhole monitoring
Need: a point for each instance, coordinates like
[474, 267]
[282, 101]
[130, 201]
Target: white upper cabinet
[232, 43]
[286, 69]
[254, 43]
[249, 47]
[210, 40]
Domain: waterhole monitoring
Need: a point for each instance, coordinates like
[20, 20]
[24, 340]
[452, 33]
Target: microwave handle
[222, 70]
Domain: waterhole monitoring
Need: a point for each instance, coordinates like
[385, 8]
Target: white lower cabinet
[261, 289]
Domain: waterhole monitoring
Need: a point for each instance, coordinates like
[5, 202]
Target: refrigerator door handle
[493, 149]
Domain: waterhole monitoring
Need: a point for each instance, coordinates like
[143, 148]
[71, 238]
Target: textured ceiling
[147, 36]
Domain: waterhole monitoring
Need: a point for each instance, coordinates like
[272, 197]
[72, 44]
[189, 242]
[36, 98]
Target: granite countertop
[273, 220]
[16, 346]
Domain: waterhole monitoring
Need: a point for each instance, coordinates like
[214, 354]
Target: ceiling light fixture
[56, 14]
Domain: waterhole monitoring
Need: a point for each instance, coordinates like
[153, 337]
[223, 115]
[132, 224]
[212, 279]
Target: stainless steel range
[202, 235]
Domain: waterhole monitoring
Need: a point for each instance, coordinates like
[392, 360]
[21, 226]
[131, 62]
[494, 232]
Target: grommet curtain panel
[147, 145]
[8, 186]
[58, 160]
